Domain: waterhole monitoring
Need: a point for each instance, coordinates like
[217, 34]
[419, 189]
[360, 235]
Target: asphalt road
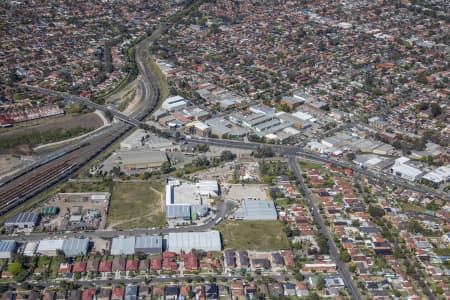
[223, 208]
[82, 100]
[318, 219]
[19, 188]
[294, 150]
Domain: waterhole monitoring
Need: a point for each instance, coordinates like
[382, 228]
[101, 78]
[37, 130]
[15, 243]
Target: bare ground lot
[245, 191]
[9, 163]
[253, 235]
[87, 121]
[136, 205]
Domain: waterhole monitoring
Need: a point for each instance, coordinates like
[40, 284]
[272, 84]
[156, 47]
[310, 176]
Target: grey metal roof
[8, 246]
[178, 211]
[124, 245]
[186, 241]
[148, 241]
[131, 292]
[257, 210]
[21, 218]
[75, 247]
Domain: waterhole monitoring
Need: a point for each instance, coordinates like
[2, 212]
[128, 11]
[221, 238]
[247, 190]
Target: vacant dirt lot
[90, 120]
[253, 235]
[136, 205]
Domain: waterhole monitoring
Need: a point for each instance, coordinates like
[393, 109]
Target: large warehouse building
[123, 245]
[257, 210]
[49, 247]
[186, 200]
[75, 247]
[150, 244]
[23, 220]
[186, 241]
[7, 248]
[137, 162]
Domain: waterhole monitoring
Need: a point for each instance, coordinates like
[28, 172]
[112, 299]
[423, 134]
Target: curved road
[25, 185]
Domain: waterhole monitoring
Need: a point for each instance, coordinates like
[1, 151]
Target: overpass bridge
[77, 99]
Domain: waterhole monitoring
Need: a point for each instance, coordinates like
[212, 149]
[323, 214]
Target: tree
[320, 283]
[376, 211]
[227, 155]
[436, 109]
[165, 167]
[15, 268]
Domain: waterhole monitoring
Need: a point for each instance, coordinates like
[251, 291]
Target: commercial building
[7, 248]
[174, 103]
[405, 169]
[30, 248]
[150, 244]
[142, 139]
[75, 247]
[182, 196]
[23, 220]
[49, 247]
[439, 175]
[186, 241]
[257, 210]
[136, 162]
[123, 245]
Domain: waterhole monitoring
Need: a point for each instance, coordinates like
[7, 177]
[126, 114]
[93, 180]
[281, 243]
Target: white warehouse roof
[186, 241]
[75, 247]
[49, 245]
[254, 210]
[439, 175]
[123, 246]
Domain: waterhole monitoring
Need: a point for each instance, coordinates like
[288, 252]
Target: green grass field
[136, 205]
[253, 235]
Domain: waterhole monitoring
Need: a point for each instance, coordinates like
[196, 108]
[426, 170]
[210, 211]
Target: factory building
[23, 220]
[178, 213]
[257, 210]
[175, 103]
[49, 247]
[75, 247]
[150, 244]
[30, 249]
[404, 168]
[140, 161]
[123, 246]
[7, 248]
[186, 241]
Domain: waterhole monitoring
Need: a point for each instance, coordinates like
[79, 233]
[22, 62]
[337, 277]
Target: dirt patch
[67, 122]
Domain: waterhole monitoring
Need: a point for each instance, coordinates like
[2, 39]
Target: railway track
[53, 170]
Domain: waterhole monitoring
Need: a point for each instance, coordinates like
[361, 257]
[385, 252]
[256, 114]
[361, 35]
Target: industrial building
[136, 162]
[7, 248]
[439, 175]
[175, 103]
[49, 247]
[140, 139]
[75, 247]
[186, 241]
[30, 248]
[178, 213]
[150, 244]
[257, 210]
[23, 220]
[404, 168]
[123, 245]
[185, 199]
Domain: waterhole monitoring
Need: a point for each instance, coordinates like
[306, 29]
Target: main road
[318, 219]
[77, 99]
[295, 150]
[58, 166]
